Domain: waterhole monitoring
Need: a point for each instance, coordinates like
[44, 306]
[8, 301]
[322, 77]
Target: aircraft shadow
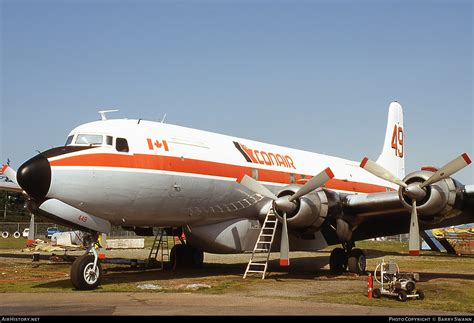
[301, 268]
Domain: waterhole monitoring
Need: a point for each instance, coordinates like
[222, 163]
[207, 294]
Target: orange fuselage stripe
[203, 167]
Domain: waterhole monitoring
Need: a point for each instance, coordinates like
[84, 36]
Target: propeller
[416, 191]
[286, 204]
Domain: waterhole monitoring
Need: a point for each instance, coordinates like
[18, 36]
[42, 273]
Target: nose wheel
[86, 271]
[86, 274]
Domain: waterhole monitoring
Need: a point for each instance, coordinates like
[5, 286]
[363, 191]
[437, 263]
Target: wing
[384, 214]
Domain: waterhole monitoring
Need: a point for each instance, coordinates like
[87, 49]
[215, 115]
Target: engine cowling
[311, 209]
[440, 196]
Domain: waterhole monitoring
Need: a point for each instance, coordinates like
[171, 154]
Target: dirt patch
[24, 273]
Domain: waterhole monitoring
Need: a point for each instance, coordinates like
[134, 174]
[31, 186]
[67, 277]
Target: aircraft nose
[34, 176]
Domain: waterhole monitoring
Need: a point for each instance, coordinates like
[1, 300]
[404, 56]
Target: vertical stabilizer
[393, 153]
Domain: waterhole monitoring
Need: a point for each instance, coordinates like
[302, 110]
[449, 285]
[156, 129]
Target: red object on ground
[370, 283]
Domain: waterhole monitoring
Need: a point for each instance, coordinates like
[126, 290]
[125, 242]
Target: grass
[443, 295]
[12, 243]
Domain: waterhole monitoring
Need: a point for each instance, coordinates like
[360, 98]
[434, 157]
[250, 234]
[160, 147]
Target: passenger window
[121, 145]
[109, 140]
[69, 140]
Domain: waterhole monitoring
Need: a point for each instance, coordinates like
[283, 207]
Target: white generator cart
[394, 283]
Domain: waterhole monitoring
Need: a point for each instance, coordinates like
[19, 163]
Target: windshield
[82, 139]
[69, 140]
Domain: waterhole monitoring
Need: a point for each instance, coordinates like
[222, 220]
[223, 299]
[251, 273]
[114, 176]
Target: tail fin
[393, 152]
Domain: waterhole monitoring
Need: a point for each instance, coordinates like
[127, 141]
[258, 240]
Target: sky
[311, 75]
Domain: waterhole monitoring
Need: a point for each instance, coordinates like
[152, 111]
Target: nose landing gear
[86, 271]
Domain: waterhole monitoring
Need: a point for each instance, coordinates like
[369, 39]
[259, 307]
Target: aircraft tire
[357, 261]
[82, 276]
[337, 261]
[185, 256]
[197, 257]
[178, 257]
[17, 235]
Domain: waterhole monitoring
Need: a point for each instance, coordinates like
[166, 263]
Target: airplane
[218, 189]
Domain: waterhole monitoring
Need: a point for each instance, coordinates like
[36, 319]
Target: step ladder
[159, 244]
[261, 252]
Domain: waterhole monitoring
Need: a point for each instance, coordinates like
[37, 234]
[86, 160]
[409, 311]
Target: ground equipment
[394, 283]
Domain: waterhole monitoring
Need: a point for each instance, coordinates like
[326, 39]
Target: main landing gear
[185, 256]
[86, 272]
[347, 258]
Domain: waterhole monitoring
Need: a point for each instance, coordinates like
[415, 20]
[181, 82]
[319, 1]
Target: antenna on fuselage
[163, 119]
[103, 112]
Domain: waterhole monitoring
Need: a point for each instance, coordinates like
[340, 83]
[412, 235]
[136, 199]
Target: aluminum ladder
[258, 263]
[160, 243]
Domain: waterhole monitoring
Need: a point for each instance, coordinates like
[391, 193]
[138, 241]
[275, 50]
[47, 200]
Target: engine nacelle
[440, 196]
[311, 211]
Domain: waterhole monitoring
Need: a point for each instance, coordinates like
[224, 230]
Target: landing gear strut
[86, 271]
[349, 258]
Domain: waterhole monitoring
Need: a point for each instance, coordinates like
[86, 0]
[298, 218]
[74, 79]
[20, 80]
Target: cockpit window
[121, 145]
[69, 140]
[89, 139]
[109, 140]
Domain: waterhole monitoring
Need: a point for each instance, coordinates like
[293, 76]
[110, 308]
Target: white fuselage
[173, 175]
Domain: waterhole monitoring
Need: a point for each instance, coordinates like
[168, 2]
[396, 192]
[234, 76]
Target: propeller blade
[31, 233]
[379, 171]
[9, 172]
[449, 169]
[284, 247]
[315, 182]
[414, 237]
[256, 187]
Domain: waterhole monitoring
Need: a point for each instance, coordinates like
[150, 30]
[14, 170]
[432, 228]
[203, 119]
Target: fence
[41, 229]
